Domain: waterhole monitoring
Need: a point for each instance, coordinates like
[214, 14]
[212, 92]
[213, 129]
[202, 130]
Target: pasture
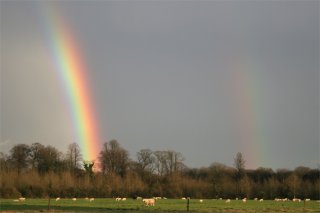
[162, 205]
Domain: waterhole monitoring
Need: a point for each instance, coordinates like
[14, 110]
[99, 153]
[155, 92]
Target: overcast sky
[207, 79]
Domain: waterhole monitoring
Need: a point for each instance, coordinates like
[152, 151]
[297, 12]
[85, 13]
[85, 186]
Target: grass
[169, 205]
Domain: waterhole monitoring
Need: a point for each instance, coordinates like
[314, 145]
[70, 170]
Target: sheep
[58, 198]
[22, 199]
[244, 200]
[118, 199]
[261, 200]
[152, 202]
[74, 199]
[183, 198]
[296, 200]
[123, 199]
[91, 199]
[201, 201]
[307, 199]
[149, 202]
[228, 201]
[16, 200]
[255, 199]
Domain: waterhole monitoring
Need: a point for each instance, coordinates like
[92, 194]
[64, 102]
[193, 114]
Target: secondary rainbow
[71, 69]
[246, 82]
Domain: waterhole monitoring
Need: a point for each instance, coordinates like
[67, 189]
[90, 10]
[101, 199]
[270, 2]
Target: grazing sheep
[149, 202]
[307, 199]
[296, 200]
[58, 198]
[255, 199]
[123, 199]
[228, 201]
[118, 199]
[183, 198]
[86, 198]
[260, 200]
[201, 201]
[22, 199]
[16, 200]
[244, 200]
[91, 199]
[74, 199]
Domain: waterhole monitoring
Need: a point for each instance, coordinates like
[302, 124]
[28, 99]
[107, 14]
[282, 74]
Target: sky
[207, 79]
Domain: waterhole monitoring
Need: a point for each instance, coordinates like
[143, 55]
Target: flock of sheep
[152, 201]
[276, 199]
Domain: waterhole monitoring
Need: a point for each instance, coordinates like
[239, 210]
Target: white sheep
[296, 200]
[244, 200]
[183, 198]
[91, 199]
[58, 198]
[201, 201]
[228, 201]
[307, 199]
[149, 202]
[74, 199]
[261, 200]
[118, 199]
[123, 199]
[16, 200]
[22, 199]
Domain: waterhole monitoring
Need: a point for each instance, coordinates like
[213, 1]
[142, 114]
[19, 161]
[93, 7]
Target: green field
[168, 205]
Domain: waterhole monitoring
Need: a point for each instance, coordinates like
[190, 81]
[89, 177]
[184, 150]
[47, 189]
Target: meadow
[162, 205]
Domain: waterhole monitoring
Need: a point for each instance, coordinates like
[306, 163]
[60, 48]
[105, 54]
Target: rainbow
[70, 66]
[248, 110]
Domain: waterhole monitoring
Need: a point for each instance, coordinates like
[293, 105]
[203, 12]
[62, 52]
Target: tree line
[43, 171]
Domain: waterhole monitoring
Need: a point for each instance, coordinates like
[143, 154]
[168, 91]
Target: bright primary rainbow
[70, 66]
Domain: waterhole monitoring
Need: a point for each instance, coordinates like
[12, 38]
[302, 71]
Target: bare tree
[168, 162]
[174, 161]
[20, 156]
[146, 160]
[74, 156]
[35, 153]
[239, 164]
[114, 159]
[49, 160]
